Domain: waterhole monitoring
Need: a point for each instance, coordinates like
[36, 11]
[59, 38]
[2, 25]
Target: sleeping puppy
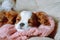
[23, 23]
[27, 19]
[8, 5]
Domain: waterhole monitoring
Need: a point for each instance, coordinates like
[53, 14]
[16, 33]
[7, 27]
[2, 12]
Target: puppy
[29, 19]
[23, 23]
[8, 5]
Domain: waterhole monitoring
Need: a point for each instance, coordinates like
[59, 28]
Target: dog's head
[23, 20]
[27, 19]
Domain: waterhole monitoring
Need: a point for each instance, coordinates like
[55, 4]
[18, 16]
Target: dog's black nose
[22, 24]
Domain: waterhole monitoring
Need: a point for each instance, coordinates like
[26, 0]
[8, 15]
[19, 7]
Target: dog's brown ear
[33, 21]
[43, 18]
[11, 16]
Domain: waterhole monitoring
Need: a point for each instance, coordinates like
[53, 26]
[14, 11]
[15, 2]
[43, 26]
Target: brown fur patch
[8, 17]
[38, 18]
[43, 18]
[11, 16]
[33, 21]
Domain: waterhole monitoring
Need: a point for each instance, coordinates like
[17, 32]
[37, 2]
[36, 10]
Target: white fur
[25, 15]
[7, 5]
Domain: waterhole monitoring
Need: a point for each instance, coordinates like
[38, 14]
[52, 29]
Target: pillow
[25, 5]
[40, 38]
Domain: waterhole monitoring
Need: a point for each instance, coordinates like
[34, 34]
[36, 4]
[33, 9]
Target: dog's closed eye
[18, 18]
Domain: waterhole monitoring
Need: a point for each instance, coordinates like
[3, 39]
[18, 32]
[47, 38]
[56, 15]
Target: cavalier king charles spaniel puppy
[23, 22]
[34, 24]
[28, 19]
[29, 23]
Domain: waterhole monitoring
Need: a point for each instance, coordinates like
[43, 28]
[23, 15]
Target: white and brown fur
[31, 19]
